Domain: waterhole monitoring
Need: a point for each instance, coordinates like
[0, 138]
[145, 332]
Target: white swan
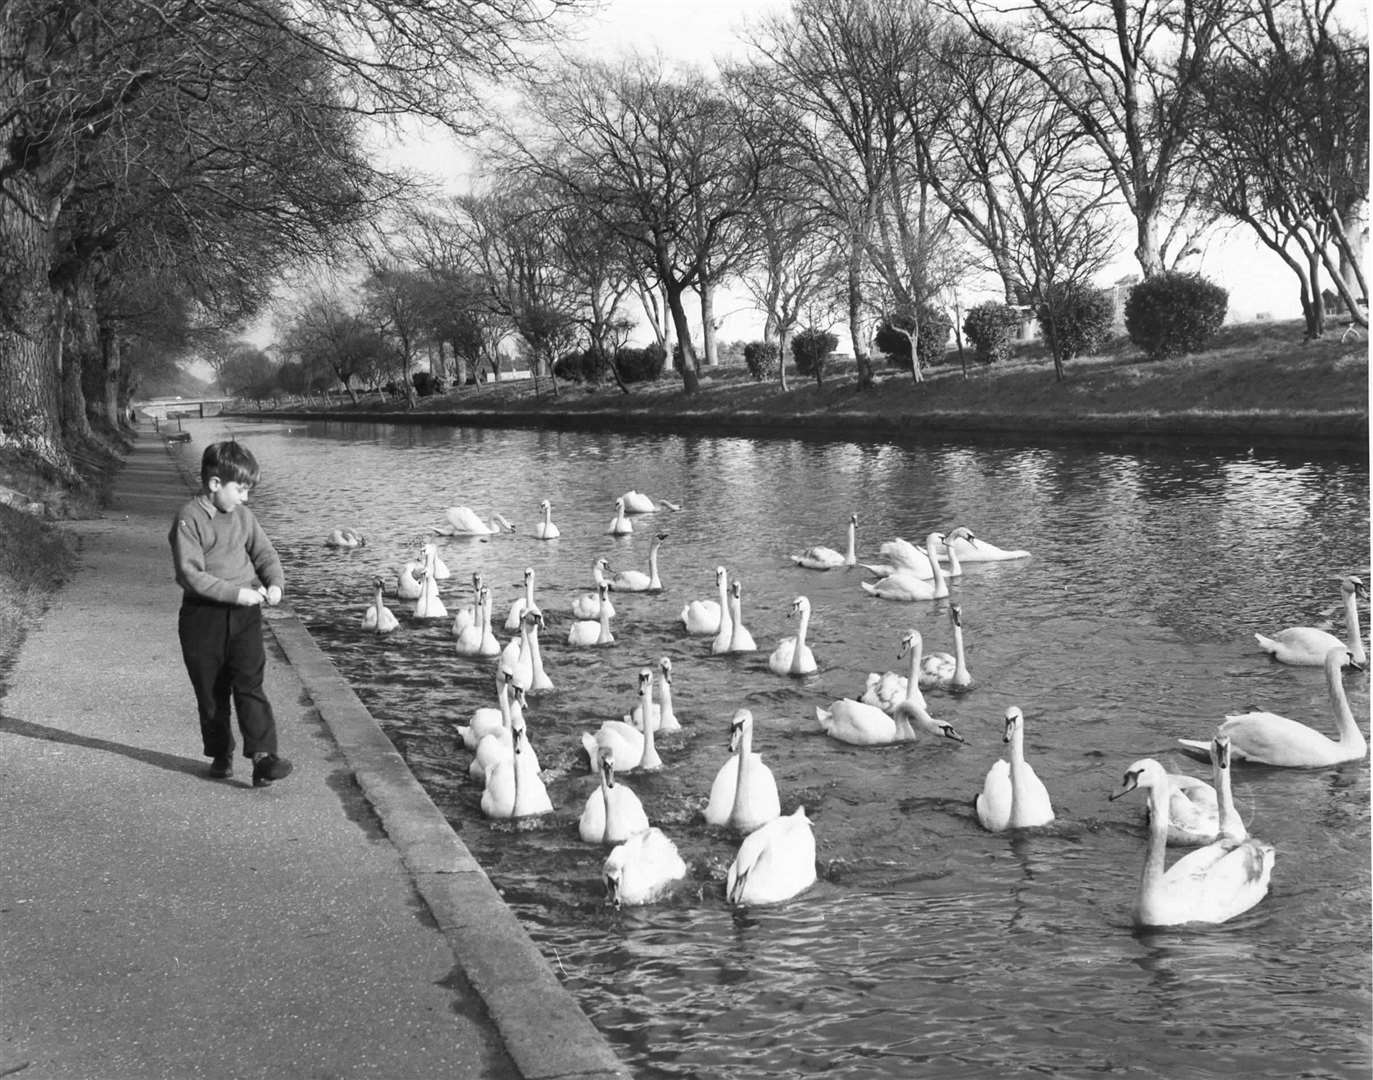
[905, 585]
[636, 502]
[429, 553]
[478, 639]
[619, 524]
[407, 584]
[902, 557]
[378, 618]
[948, 671]
[613, 813]
[497, 746]
[588, 605]
[427, 604]
[524, 604]
[743, 795]
[545, 529]
[860, 724]
[469, 616]
[660, 712]
[522, 659]
[1308, 647]
[514, 788]
[826, 558]
[887, 690]
[792, 655]
[488, 718]
[464, 521]
[703, 616]
[345, 538]
[637, 580]
[1013, 797]
[970, 549]
[596, 631]
[1269, 739]
[775, 862]
[642, 869]
[1193, 811]
[631, 747]
[1209, 885]
[740, 640]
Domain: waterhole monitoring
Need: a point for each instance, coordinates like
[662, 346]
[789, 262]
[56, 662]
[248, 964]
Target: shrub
[571, 367]
[426, 384]
[1075, 319]
[762, 359]
[1172, 314]
[934, 328]
[991, 328]
[641, 365]
[810, 348]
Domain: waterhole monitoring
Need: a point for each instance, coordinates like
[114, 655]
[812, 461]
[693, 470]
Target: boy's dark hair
[232, 462]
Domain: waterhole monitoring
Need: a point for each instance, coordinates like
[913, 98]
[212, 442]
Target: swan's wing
[993, 805]
[1270, 739]
[721, 800]
[774, 862]
[856, 722]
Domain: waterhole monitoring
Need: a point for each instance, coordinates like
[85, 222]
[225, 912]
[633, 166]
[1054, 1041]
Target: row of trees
[867, 160]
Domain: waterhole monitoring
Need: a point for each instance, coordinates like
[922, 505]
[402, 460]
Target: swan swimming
[636, 502]
[1307, 646]
[468, 616]
[407, 584]
[379, 618]
[775, 862]
[619, 524]
[497, 746]
[740, 640]
[523, 604]
[345, 538]
[909, 586]
[743, 795]
[596, 631]
[637, 580]
[427, 604]
[661, 713]
[642, 869]
[860, 724]
[489, 718]
[522, 659]
[948, 671]
[1209, 885]
[545, 529]
[826, 558]
[1013, 796]
[478, 638]
[464, 521]
[1269, 739]
[632, 746]
[970, 549]
[429, 553]
[588, 605]
[613, 813]
[703, 616]
[1193, 811]
[886, 690]
[514, 788]
[792, 655]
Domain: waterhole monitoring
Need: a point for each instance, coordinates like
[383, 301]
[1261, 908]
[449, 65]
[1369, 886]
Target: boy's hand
[250, 597]
[273, 595]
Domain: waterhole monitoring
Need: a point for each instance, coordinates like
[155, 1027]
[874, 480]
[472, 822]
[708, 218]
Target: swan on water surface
[826, 558]
[632, 747]
[427, 604]
[886, 690]
[703, 616]
[545, 529]
[429, 553]
[636, 502]
[521, 656]
[1266, 738]
[1193, 811]
[379, 618]
[620, 525]
[1013, 796]
[407, 583]
[661, 713]
[740, 640]
[1307, 646]
[906, 585]
[948, 671]
[774, 863]
[637, 580]
[478, 639]
[861, 724]
[588, 605]
[464, 521]
[613, 813]
[970, 549]
[596, 631]
[524, 604]
[514, 788]
[468, 616]
[497, 746]
[345, 538]
[488, 718]
[793, 655]
[743, 795]
[1209, 885]
[642, 869]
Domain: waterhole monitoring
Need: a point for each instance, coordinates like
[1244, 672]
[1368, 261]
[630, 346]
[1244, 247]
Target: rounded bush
[1173, 314]
[1075, 319]
[810, 348]
[641, 365]
[762, 358]
[935, 326]
[991, 328]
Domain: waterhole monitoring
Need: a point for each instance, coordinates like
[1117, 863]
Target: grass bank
[1260, 380]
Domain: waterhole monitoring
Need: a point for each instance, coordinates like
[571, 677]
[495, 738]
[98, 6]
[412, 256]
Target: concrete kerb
[544, 1030]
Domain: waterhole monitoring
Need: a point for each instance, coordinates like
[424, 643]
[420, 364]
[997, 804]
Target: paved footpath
[158, 924]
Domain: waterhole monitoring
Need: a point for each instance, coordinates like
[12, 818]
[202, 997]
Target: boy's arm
[265, 561]
[188, 558]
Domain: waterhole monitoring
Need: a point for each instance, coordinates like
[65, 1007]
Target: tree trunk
[856, 320]
[690, 382]
[708, 323]
[1147, 242]
[783, 341]
[112, 362]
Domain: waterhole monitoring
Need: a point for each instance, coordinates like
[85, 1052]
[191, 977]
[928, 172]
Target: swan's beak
[1130, 783]
[1355, 664]
[612, 890]
[947, 730]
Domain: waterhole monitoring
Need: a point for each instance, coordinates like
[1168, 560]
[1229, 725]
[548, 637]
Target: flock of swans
[1225, 874]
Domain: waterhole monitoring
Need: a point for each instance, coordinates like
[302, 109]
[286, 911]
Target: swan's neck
[605, 807]
[529, 592]
[653, 567]
[1228, 821]
[665, 706]
[1017, 763]
[1350, 735]
[650, 758]
[904, 731]
[378, 601]
[851, 555]
[960, 669]
[1354, 634]
[1152, 874]
[741, 782]
[955, 567]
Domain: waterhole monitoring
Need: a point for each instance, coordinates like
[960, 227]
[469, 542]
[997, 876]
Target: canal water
[928, 946]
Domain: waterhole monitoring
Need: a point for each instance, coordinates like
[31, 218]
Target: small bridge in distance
[159, 409]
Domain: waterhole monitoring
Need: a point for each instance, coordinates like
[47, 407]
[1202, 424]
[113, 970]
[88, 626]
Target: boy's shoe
[222, 767]
[269, 767]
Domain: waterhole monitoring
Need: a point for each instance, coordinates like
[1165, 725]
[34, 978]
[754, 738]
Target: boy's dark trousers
[222, 647]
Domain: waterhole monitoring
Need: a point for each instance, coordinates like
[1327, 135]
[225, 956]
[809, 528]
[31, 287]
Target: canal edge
[543, 1028]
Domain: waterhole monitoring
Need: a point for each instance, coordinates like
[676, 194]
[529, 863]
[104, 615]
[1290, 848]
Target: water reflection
[928, 947]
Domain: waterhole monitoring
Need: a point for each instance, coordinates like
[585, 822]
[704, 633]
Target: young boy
[221, 553]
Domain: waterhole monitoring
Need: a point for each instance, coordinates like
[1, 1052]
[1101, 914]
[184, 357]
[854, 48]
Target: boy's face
[228, 495]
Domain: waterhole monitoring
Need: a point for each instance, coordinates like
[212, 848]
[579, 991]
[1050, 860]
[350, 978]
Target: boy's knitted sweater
[217, 554]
